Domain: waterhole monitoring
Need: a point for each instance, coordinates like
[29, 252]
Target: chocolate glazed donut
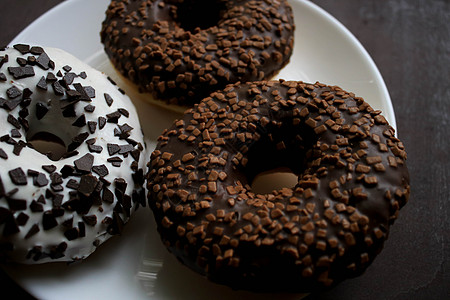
[352, 181]
[181, 51]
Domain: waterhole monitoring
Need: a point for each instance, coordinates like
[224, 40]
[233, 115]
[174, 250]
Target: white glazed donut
[62, 208]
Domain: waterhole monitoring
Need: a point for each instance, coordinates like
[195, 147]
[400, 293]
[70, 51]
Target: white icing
[60, 126]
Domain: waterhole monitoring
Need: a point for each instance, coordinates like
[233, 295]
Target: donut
[181, 51]
[352, 181]
[62, 206]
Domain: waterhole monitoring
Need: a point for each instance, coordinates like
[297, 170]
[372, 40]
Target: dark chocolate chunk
[41, 110]
[125, 149]
[69, 111]
[124, 112]
[84, 163]
[41, 199]
[22, 219]
[58, 88]
[77, 141]
[117, 224]
[68, 223]
[80, 122]
[32, 173]
[33, 230]
[31, 60]
[56, 178]
[2, 76]
[51, 77]
[40, 180]
[23, 113]
[26, 93]
[67, 68]
[17, 204]
[84, 96]
[13, 92]
[56, 187]
[43, 61]
[95, 148]
[13, 103]
[21, 72]
[42, 84]
[101, 122]
[49, 220]
[113, 117]
[17, 176]
[71, 233]
[57, 201]
[10, 226]
[72, 184]
[36, 50]
[81, 229]
[58, 251]
[22, 48]
[68, 78]
[107, 196]
[90, 220]
[108, 99]
[87, 184]
[21, 61]
[15, 133]
[36, 206]
[73, 95]
[3, 154]
[13, 121]
[67, 171]
[113, 149]
[49, 168]
[18, 147]
[89, 108]
[90, 91]
[92, 125]
[101, 170]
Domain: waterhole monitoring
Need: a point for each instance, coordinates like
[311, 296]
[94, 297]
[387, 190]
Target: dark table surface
[409, 41]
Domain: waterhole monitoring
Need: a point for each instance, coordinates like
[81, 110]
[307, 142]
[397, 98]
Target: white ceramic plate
[135, 265]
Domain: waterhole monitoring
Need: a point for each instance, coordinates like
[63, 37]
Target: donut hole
[48, 144]
[277, 179]
[201, 14]
[279, 157]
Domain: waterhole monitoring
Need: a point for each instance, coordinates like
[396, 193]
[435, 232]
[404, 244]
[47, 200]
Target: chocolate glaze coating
[157, 46]
[352, 181]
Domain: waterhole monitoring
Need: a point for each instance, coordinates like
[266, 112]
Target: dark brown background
[409, 41]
